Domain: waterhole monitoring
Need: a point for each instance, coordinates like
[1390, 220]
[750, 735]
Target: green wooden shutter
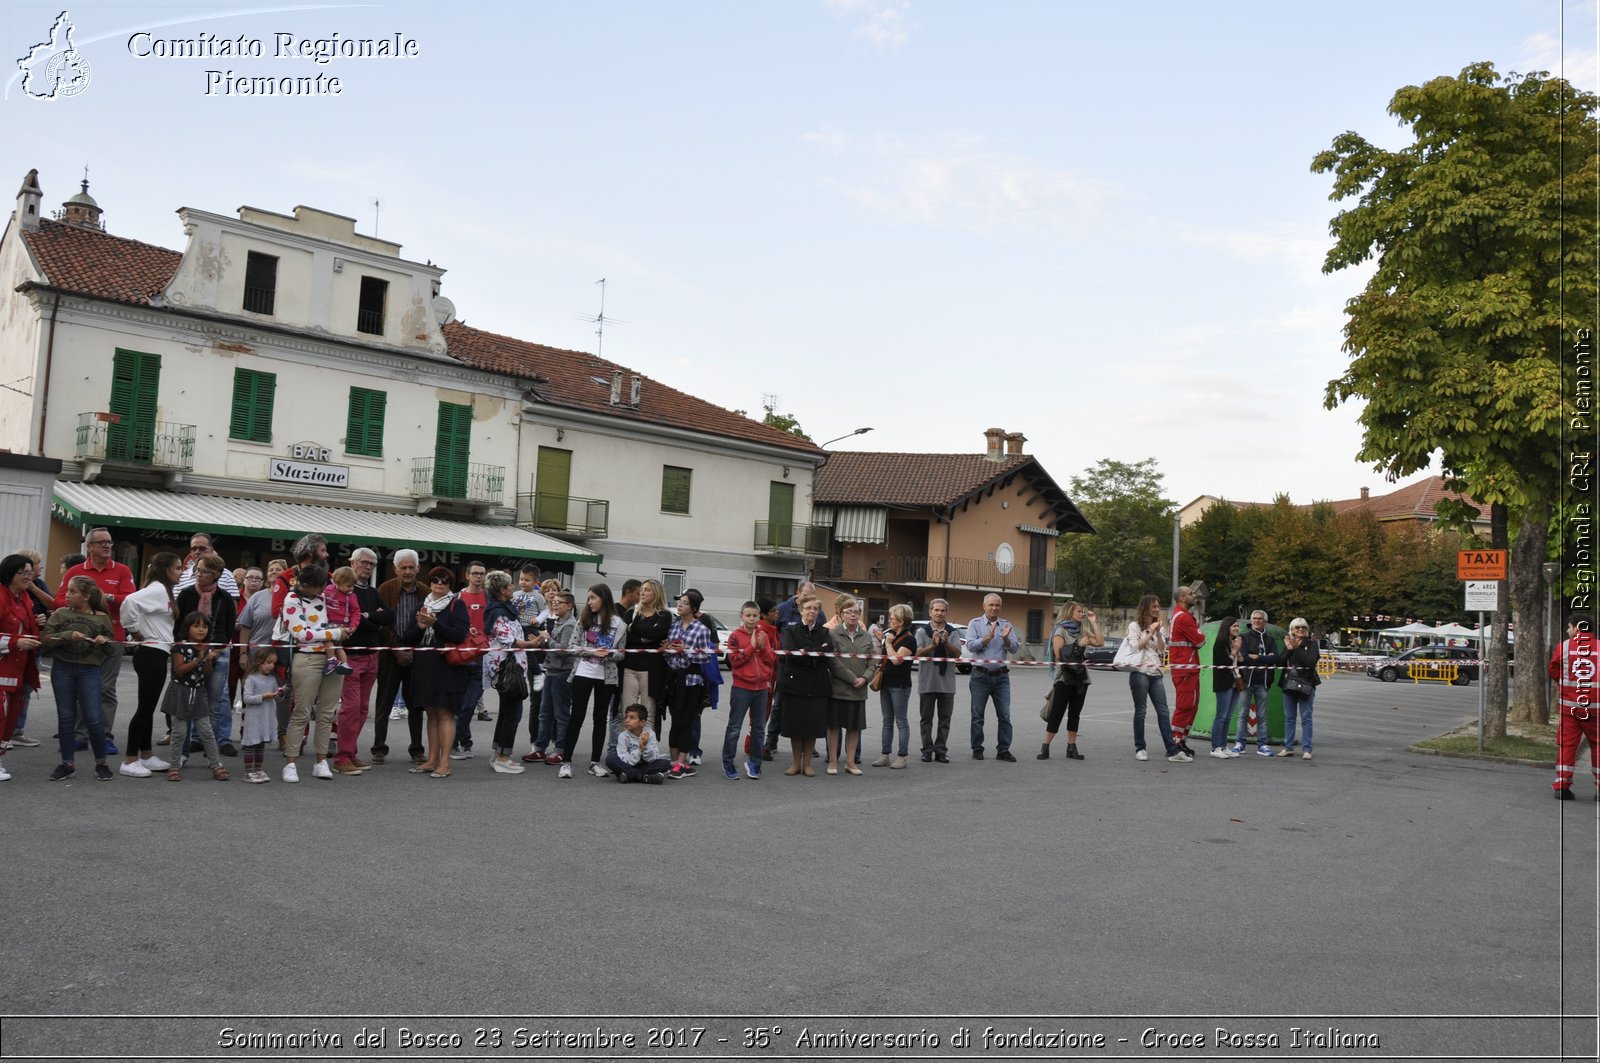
[552, 483]
[675, 483]
[135, 382]
[252, 405]
[780, 514]
[363, 432]
[450, 449]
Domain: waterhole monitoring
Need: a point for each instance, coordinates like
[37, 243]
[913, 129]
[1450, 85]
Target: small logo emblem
[1583, 670]
[55, 68]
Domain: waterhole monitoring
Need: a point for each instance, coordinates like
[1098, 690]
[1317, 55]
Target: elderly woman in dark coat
[437, 685]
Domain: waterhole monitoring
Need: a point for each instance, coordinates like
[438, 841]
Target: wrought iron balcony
[583, 518]
[977, 573]
[107, 438]
[464, 481]
[806, 540]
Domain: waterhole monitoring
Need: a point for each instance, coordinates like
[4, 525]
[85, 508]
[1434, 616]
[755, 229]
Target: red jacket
[753, 669]
[1575, 664]
[115, 581]
[1184, 645]
[18, 668]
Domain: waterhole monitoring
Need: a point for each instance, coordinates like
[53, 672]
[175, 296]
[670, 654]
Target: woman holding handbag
[1077, 628]
[1227, 681]
[1299, 684]
[1148, 639]
[507, 669]
[437, 685]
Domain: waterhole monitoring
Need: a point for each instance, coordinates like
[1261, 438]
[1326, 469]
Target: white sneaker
[598, 771]
[1220, 754]
[154, 764]
[397, 714]
[1180, 757]
[22, 741]
[694, 758]
[135, 769]
[291, 773]
[1141, 755]
[1236, 748]
[5, 776]
[565, 772]
[320, 770]
[1231, 754]
[1306, 755]
[507, 767]
[458, 753]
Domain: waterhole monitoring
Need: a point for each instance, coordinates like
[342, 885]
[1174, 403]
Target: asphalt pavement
[1357, 892]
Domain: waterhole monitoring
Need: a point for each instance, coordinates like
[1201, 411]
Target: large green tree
[1481, 232]
[1131, 554]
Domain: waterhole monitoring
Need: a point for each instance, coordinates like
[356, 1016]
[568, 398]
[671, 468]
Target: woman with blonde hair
[644, 675]
[850, 673]
[894, 696]
[1077, 628]
[803, 681]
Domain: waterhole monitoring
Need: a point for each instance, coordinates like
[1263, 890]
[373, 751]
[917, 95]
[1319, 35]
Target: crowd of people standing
[302, 655]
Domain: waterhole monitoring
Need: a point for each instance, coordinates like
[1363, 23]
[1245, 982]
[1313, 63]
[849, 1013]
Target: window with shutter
[675, 489]
[252, 405]
[135, 381]
[363, 432]
[450, 450]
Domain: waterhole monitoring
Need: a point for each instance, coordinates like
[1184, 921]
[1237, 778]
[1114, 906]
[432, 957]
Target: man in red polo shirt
[116, 582]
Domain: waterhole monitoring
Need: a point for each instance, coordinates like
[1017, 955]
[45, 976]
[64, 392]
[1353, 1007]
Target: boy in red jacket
[753, 658]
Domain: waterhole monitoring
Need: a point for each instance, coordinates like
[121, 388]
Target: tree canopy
[1131, 553]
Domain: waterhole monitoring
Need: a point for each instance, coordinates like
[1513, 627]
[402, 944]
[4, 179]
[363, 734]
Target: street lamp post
[847, 435]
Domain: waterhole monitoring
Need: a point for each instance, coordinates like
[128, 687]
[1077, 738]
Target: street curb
[1547, 765]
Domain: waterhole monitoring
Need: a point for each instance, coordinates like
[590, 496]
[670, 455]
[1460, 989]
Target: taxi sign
[1480, 564]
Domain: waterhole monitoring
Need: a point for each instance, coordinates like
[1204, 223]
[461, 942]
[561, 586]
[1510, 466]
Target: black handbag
[1292, 683]
[510, 681]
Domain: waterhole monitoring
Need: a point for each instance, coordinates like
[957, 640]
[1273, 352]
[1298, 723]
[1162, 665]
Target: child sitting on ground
[637, 757]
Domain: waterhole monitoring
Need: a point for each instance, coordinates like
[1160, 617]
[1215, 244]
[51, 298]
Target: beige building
[914, 527]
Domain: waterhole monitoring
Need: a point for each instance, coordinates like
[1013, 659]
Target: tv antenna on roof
[599, 320]
[377, 209]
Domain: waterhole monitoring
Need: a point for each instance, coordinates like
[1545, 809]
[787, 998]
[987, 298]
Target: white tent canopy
[1417, 628]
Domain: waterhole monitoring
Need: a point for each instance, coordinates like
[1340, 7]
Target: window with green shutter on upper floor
[252, 405]
[675, 483]
[363, 432]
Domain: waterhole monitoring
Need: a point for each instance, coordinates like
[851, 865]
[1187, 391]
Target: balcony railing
[978, 573]
[370, 322]
[587, 518]
[466, 481]
[259, 300]
[808, 540]
[110, 437]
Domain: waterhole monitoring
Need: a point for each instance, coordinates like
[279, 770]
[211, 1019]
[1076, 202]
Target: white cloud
[1546, 51]
[881, 23]
[1304, 253]
[958, 179]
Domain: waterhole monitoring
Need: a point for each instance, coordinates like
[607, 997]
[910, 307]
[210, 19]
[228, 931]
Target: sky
[1094, 224]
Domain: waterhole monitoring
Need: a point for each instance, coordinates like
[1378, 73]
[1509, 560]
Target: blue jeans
[1297, 705]
[469, 704]
[555, 708]
[983, 687]
[22, 717]
[1258, 697]
[1150, 685]
[1219, 723]
[893, 702]
[77, 689]
[741, 701]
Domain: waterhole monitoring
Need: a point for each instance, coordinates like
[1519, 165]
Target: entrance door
[551, 484]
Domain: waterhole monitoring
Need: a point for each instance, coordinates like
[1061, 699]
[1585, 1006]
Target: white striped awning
[860, 524]
[128, 507]
[1029, 529]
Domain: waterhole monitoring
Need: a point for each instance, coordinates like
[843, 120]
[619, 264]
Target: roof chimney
[1014, 441]
[633, 393]
[996, 439]
[28, 202]
[616, 388]
[1364, 494]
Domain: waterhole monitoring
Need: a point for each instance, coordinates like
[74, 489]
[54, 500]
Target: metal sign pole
[1482, 675]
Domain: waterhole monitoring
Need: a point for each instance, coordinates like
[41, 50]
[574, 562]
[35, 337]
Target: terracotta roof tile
[99, 264]
[568, 379]
[892, 478]
[1414, 501]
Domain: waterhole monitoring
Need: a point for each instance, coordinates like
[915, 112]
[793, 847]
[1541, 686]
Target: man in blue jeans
[989, 640]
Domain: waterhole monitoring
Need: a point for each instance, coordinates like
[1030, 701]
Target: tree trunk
[1530, 604]
[1494, 673]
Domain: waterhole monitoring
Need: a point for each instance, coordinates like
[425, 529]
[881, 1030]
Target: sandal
[418, 769]
[174, 775]
[438, 775]
[220, 773]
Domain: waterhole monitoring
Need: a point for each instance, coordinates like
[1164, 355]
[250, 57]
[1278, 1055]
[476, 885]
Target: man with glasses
[200, 546]
[1260, 652]
[116, 582]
